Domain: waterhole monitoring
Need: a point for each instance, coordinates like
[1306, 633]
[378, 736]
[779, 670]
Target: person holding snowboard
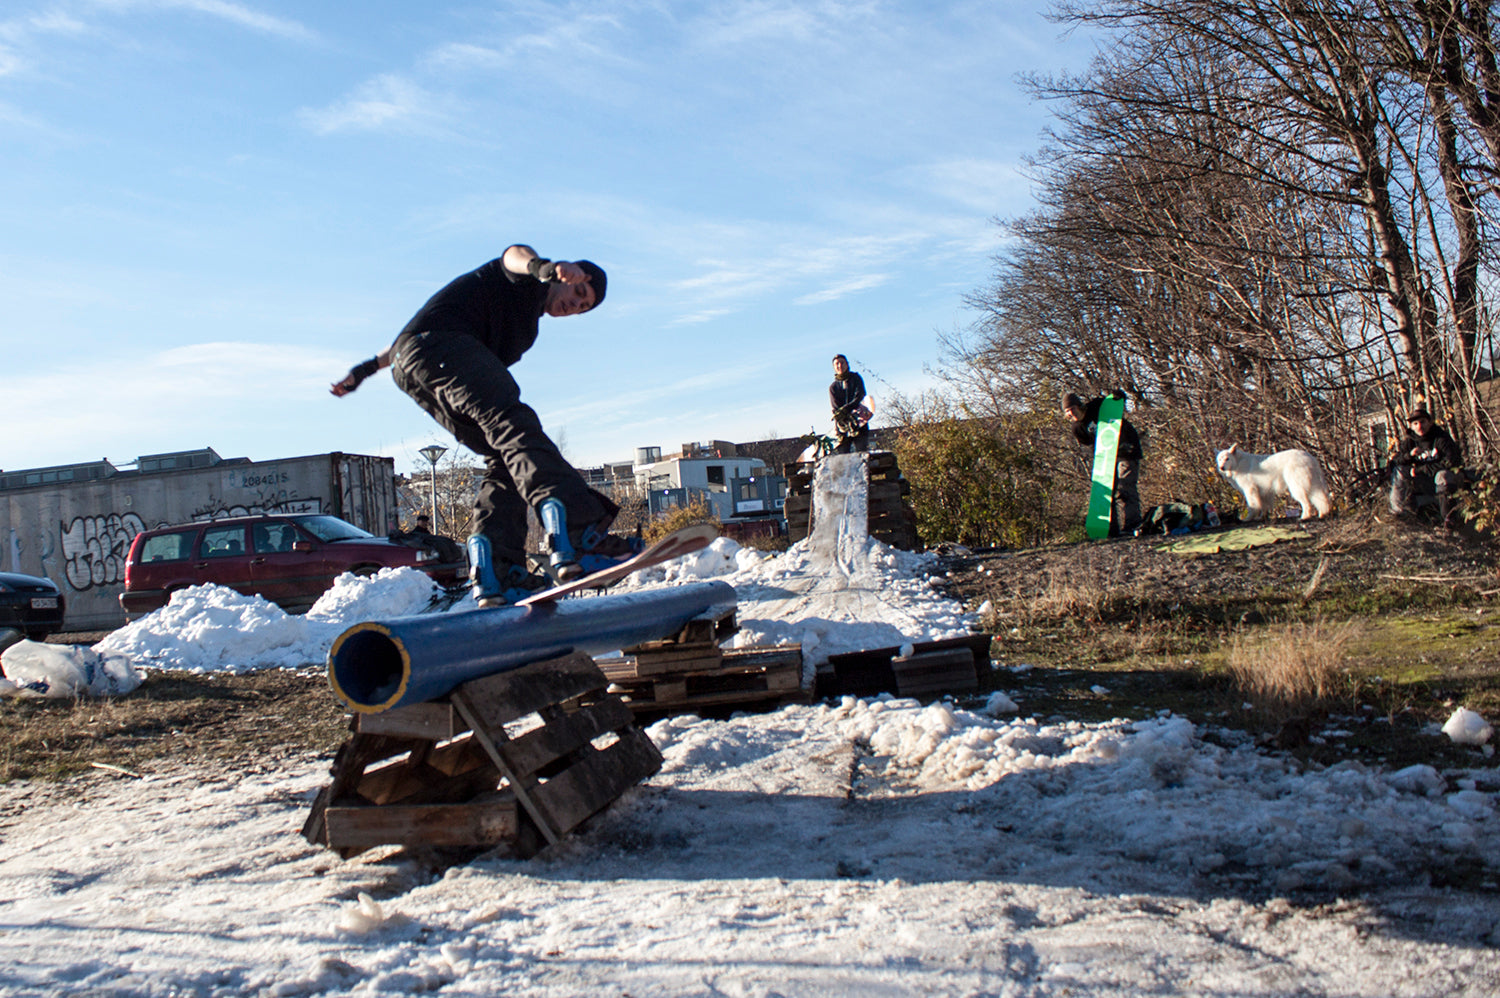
[453, 358]
[851, 417]
[1126, 514]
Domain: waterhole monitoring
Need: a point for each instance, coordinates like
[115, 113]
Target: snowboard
[1106, 446]
[679, 542]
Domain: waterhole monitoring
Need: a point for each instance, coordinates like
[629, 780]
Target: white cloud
[234, 13]
[388, 100]
[844, 288]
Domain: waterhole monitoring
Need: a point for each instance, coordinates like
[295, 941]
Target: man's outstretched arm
[359, 372]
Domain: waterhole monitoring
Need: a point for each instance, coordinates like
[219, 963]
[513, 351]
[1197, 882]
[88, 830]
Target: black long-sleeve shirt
[1086, 428]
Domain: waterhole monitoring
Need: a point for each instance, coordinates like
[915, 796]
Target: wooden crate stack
[890, 515]
[691, 672]
[519, 758]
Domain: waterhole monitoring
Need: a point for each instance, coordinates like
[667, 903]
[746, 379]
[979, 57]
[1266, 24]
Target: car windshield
[331, 528]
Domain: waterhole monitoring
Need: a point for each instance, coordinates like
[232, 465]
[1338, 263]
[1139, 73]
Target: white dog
[1262, 477]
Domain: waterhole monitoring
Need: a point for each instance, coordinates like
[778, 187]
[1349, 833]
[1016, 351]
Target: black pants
[472, 395]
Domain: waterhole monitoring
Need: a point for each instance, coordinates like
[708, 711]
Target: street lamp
[432, 452]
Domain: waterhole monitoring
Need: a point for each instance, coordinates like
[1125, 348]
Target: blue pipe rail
[380, 665]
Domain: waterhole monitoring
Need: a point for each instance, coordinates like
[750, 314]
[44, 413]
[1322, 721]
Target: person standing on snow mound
[851, 417]
[1126, 515]
[454, 358]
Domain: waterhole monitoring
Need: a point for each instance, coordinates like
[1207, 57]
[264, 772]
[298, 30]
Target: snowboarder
[453, 359]
[851, 417]
[1126, 515]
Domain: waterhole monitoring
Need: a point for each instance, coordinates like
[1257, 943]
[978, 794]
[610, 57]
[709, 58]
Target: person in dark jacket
[453, 359]
[1428, 462]
[1126, 514]
[851, 417]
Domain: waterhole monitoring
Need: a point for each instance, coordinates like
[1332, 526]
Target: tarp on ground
[1236, 539]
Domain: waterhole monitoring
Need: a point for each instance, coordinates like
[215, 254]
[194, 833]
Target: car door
[286, 564]
[223, 557]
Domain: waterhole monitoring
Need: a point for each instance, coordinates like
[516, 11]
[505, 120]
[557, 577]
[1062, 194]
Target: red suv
[290, 560]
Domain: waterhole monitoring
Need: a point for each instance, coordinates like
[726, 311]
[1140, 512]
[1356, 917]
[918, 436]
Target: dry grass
[1295, 668]
[1087, 593]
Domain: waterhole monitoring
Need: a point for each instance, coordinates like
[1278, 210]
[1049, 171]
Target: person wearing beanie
[1084, 417]
[1428, 462]
[453, 358]
[851, 417]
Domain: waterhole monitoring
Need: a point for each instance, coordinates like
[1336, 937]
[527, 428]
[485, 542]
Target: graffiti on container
[275, 503]
[94, 548]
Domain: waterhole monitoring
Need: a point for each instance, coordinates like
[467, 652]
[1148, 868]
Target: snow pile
[1466, 727]
[837, 591]
[33, 668]
[214, 629]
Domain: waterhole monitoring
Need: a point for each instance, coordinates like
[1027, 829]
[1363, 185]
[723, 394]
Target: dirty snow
[862, 847]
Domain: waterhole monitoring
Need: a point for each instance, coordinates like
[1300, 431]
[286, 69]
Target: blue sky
[213, 208]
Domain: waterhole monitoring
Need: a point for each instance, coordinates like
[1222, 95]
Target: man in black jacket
[851, 419]
[1126, 515]
[453, 359]
[1428, 462]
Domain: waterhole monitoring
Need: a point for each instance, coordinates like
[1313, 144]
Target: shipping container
[74, 524]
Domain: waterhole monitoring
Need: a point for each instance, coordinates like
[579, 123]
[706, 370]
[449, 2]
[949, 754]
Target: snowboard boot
[498, 584]
[575, 551]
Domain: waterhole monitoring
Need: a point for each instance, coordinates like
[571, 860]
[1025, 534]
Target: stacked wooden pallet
[518, 758]
[690, 672]
[889, 513]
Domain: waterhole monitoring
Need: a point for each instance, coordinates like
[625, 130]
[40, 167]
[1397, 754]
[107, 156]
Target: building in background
[73, 524]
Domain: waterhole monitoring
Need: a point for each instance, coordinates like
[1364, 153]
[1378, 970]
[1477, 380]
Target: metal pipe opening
[368, 667]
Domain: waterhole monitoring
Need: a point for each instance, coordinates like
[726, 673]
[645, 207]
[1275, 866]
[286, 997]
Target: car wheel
[365, 571]
[37, 634]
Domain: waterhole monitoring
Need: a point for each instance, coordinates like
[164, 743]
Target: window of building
[1381, 441]
[715, 473]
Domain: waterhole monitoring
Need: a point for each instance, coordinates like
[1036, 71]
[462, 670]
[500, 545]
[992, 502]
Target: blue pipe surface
[380, 665]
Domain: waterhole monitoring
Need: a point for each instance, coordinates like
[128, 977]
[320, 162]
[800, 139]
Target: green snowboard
[1106, 444]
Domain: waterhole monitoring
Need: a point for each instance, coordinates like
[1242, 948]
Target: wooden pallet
[717, 678]
[520, 757]
[951, 665]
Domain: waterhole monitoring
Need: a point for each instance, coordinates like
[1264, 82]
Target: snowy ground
[859, 848]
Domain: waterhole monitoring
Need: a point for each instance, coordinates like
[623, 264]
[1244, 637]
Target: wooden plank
[950, 671]
[763, 655]
[401, 779]
[688, 660]
[486, 821]
[508, 696]
[347, 770]
[596, 780]
[433, 719]
[565, 734]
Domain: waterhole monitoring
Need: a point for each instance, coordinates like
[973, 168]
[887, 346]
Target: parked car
[290, 560]
[31, 605]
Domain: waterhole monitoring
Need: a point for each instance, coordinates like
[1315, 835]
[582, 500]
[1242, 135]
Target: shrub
[974, 481]
[697, 511]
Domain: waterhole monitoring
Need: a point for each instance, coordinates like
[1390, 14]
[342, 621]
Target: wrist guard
[542, 269]
[359, 372]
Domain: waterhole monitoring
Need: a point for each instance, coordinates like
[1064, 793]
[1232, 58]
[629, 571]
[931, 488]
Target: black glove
[356, 376]
[542, 269]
